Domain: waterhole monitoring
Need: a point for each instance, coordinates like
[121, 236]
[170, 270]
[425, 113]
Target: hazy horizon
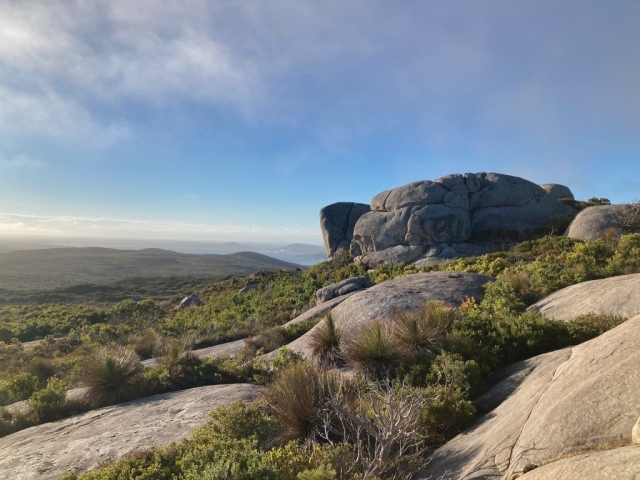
[272, 249]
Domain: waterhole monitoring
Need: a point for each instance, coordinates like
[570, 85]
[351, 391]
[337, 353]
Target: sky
[239, 120]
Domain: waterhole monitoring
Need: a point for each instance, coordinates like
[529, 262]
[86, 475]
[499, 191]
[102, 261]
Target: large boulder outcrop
[591, 223]
[82, 442]
[578, 400]
[611, 296]
[337, 222]
[408, 293]
[410, 222]
[557, 191]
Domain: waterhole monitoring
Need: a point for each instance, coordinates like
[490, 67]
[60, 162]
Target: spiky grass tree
[324, 341]
[110, 376]
[374, 350]
[296, 399]
[425, 329]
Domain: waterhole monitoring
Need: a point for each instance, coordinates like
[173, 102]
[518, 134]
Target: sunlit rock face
[432, 221]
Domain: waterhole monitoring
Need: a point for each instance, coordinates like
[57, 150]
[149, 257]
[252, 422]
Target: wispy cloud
[21, 162]
[51, 225]
[497, 79]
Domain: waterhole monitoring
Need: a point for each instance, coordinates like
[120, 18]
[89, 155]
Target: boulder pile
[431, 221]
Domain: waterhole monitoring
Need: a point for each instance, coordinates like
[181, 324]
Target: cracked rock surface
[576, 401]
[83, 441]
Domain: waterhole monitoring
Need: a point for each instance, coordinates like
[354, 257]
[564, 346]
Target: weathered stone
[458, 194]
[452, 210]
[402, 294]
[229, 349]
[635, 433]
[521, 218]
[439, 223]
[577, 399]
[376, 231]
[612, 296]
[508, 379]
[342, 288]
[377, 202]
[499, 190]
[425, 192]
[189, 301]
[474, 181]
[336, 222]
[592, 223]
[557, 191]
[82, 442]
[391, 256]
[622, 463]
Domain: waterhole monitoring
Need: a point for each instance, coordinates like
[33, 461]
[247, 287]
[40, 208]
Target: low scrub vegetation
[419, 371]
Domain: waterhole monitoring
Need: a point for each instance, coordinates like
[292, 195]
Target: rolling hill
[64, 267]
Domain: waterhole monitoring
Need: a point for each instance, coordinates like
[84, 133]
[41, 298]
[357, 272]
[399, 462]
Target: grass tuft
[373, 350]
[424, 330]
[325, 343]
[296, 399]
[110, 376]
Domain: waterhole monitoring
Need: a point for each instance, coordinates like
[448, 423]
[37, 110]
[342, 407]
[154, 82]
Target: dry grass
[110, 376]
[297, 397]
[627, 216]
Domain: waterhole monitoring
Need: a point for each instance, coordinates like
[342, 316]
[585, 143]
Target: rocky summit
[431, 221]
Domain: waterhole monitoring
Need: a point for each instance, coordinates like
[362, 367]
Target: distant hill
[304, 249]
[64, 267]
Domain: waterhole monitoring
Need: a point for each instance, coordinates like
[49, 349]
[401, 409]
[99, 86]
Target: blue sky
[233, 120]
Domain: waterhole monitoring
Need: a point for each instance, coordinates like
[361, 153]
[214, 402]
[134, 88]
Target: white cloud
[44, 225]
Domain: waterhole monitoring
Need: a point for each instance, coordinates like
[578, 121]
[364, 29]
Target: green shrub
[20, 387]
[188, 371]
[451, 371]
[42, 369]
[111, 376]
[146, 344]
[266, 341]
[585, 327]
[50, 403]
[447, 414]
[264, 370]
[324, 472]
[626, 258]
